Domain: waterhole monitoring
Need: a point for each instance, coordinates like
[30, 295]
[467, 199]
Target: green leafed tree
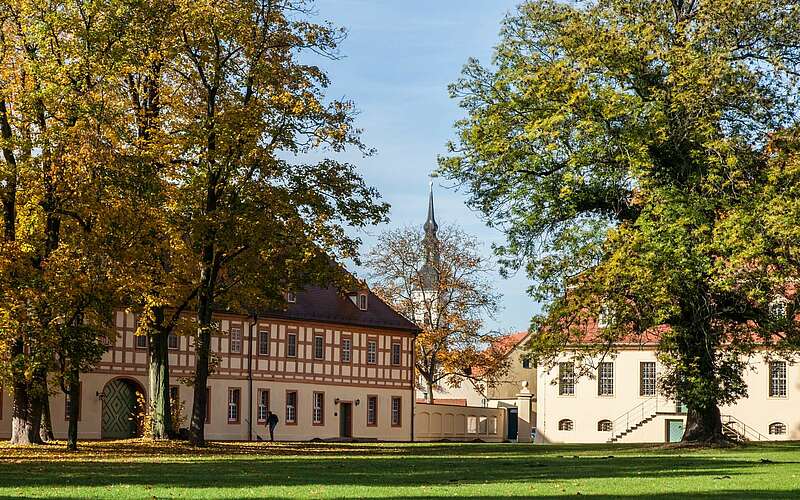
[623, 147]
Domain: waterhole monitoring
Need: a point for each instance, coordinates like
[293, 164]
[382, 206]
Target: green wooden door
[119, 406]
[674, 431]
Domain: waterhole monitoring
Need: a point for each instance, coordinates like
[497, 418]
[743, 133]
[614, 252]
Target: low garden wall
[434, 422]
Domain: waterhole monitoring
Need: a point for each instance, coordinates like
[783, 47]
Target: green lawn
[133, 469]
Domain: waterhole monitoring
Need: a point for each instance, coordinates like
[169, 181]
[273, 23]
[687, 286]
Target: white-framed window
[566, 378]
[291, 407]
[291, 345]
[565, 424]
[777, 379]
[777, 428]
[291, 297]
[318, 415]
[236, 340]
[172, 341]
[647, 378]
[263, 404]
[372, 410]
[362, 301]
[372, 352]
[347, 350]
[234, 395]
[141, 341]
[263, 342]
[396, 353]
[605, 379]
[396, 415]
[319, 347]
[526, 363]
[604, 426]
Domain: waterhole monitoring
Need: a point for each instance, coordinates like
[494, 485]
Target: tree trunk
[24, 431]
[160, 415]
[703, 426]
[202, 355]
[74, 397]
[430, 391]
[46, 429]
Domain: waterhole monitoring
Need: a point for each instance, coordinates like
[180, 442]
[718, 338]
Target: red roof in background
[507, 343]
[446, 401]
[591, 335]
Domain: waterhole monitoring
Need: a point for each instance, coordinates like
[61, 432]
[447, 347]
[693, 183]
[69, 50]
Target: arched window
[565, 425]
[604, 426]
[777, 428]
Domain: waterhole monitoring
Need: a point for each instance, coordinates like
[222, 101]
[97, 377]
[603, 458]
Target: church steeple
[430, 270]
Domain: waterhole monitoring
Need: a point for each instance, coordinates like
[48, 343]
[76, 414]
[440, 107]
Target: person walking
[272, 421]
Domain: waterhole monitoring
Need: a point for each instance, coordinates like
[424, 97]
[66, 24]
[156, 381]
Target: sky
[398, 59]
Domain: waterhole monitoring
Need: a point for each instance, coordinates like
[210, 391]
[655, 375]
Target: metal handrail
[643, 410]
[746, 430]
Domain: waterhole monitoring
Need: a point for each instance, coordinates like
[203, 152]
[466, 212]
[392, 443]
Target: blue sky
[399, 57]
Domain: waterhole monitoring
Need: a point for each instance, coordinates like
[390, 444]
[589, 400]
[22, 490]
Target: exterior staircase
[736, 430]
[636, 417]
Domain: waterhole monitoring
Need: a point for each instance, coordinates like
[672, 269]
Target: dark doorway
[346, 420]
[512, 423]
[120, 403]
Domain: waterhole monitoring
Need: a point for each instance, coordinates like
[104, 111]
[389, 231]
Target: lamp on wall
[358, 401]
[99, 395]
[336, 401]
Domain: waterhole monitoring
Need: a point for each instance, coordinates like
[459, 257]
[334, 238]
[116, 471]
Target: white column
[524, 414]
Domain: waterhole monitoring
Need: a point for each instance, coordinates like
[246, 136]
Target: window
[318, 413]
[233, 405]
[172, 341]
[291, 345]
[647, 378]
[362, 301]
[396, 412]
[526, 363]
[141, 341]
[291, 297]
[372, 410]
[472, 425]
[263, 405]
[174, 395]
[565, 425]
[236, 340]
[777, 379]
[208, 405]
[263, 342]
[396, 350]
[776, 428]
[319, 347]
[68, 404]
[347, 350]
[566, 379]
[605, 379]
[779, 307]
[372, 352]
[604, 426]
[291, 407]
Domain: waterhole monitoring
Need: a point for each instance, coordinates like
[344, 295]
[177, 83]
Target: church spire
[430, 224]
[430, 270]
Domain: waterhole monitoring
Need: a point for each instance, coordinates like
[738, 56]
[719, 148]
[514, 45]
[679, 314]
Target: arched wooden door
[119, 409]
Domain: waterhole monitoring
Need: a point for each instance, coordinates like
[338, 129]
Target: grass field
[134, 469]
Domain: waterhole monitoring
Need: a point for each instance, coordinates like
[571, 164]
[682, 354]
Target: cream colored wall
[465, 390]
[586, 407]
[436, 422]
[517, 373]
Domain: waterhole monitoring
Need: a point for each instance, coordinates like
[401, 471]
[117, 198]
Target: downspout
[250, 378]
[413, 383]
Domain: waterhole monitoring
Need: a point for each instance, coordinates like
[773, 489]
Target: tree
[615, 143]
[440, 283]
[256, 223]
[64, 266]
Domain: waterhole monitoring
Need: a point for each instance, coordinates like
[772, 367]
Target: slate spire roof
[430, 270]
